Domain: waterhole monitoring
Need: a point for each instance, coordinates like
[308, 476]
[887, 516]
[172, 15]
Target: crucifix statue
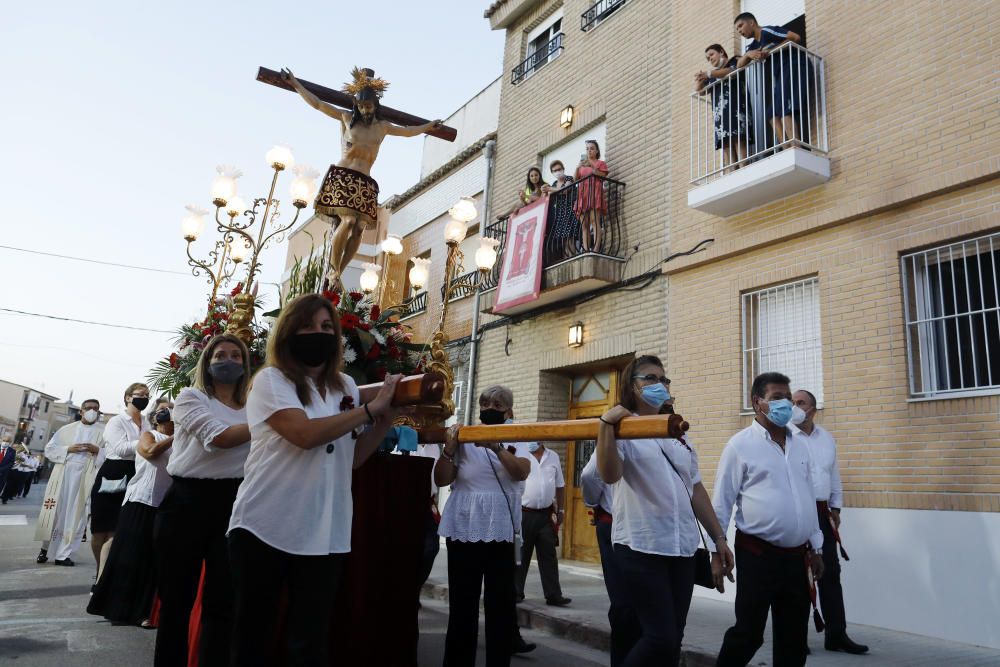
[349, 195]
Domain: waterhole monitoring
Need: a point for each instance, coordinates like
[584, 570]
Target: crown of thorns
[362, 81]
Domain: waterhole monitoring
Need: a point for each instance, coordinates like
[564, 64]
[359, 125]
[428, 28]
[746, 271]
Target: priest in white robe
[77, 450]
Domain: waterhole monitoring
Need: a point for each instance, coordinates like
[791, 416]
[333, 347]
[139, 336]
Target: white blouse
[293, 499]
[651, 503]
[122, 435]
[198, 420]
[485, 502]
[151, 480]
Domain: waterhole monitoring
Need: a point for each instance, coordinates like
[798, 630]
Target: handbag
[113, 485]
[702, 557]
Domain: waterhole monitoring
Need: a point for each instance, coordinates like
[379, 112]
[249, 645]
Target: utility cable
[99, 324]
[93, 261]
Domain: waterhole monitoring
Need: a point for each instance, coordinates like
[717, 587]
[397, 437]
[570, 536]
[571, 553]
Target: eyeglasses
[662, 379]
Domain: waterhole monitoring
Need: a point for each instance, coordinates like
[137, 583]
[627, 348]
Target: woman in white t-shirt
[480, 521]
[124, 593]
[291, 524]
[657, 491]
[211, 442]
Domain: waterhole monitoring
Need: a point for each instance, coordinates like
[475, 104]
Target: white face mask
[558, 173]
[798, 415]
[91, 415]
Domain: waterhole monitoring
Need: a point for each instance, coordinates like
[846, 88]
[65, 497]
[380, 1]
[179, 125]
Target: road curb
[540, 617]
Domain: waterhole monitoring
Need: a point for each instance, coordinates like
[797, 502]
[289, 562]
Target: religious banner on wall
[521, 274]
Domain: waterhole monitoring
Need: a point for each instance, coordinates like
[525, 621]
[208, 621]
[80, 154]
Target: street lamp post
[222, 259]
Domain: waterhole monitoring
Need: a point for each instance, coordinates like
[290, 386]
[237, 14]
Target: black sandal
[43, 556]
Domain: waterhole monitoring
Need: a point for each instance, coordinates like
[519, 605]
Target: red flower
[381, 372]
[174, 360]
[349, 321]
[357, 296]
[237, 289]
[374, 352]
[365, 326]
[346, 403]
[395, 352]
[376, 311]
[332, 297]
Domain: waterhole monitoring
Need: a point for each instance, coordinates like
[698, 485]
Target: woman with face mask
[124, 593]
[108, 493]
[291, 523]
[563, 229]
[480, 521]
[654, 533]
[210, 446]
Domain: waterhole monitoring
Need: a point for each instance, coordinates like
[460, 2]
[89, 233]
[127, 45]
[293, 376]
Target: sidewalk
[586, 621]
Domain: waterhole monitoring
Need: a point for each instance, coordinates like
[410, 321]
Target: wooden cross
[346, 101]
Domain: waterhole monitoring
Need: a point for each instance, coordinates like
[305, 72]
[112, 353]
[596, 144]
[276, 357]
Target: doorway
[591, 395]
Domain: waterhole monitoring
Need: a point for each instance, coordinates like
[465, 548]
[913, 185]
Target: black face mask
[313, 349]
[162, 416]
[226, 372]
[492, 417]
[140, 402]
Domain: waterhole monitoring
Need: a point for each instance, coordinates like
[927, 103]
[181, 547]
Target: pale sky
[114, 116]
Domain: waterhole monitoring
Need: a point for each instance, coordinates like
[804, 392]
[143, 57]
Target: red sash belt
[601, 516]
[823, 507]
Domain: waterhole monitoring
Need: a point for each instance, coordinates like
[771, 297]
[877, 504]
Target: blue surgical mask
[779, 412]
[533, 447]
[508, 421]
[655, 395]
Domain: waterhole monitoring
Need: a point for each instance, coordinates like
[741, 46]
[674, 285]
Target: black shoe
[808, 650]
[65, 562]
[520, 598]
[521, 646]
[845, 644]
[43, 556]
[558, 602]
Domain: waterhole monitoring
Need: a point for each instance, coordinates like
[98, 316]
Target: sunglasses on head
[662, 379]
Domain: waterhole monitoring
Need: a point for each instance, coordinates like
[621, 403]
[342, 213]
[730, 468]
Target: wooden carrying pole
[346, 101]
[557, 431]
[426, 389]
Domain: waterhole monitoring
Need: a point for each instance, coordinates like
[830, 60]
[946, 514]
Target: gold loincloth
[348, 192]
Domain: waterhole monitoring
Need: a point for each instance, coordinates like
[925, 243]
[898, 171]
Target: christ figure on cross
[349, 194]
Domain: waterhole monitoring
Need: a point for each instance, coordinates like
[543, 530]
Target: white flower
[350, 356]
[377, 335]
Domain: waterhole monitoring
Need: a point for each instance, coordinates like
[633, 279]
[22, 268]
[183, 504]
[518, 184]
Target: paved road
[43, 622]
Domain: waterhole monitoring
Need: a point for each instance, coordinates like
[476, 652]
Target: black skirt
[125, 591]
[105, 507]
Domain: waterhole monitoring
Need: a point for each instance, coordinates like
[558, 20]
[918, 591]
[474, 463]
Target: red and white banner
[521, 274]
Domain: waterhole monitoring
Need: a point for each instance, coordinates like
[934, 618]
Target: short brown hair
[295, 315]
[132, 388]
[553, 164]
[626, 397]
[203, 380]
[717, 47]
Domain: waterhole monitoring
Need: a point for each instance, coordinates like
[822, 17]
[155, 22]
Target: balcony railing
[592, 206]
[463, 286]
[598, 12]
[757, 111]
[415, 305]
[537, 59]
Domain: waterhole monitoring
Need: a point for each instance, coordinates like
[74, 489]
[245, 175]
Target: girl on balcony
[732, 126]
[591, 205]
[533, 187]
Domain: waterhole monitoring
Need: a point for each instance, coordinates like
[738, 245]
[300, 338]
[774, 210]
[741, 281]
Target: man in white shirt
[542, 511]
[765, 472]
[829, 500]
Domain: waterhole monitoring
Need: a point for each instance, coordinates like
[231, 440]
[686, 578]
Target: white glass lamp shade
[455, 230]
[369, 277]
[193, 223]
[486, 253]
[238, 249]
[235, 207]
[392, 245]
[464, 210]
[303, 190]
[576, 334]
[419, 272]
[280, 157]
[566, 117]
[223, 189]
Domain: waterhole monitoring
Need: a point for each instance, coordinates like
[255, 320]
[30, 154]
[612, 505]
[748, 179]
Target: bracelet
[368, 412]
[450, 458]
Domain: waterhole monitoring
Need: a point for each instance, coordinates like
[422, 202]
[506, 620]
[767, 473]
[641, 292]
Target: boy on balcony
[786, 75]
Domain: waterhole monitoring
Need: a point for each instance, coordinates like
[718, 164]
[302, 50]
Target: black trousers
[190, 528]
[15, 483]
[831, 595]
[659, 589]
[27, 483]
[432, 545]
[625, 628]
[539, 535]
[774, 581]
[471, 567]
[260, 572]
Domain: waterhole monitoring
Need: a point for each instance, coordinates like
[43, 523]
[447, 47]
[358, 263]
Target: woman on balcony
[732, 125]
[533, 187]
[562, 222]
[591, 205]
